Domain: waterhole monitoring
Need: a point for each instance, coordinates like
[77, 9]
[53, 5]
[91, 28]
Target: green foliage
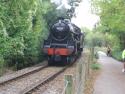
[111, 13]
[23, 26]
[94, 39]
[112, 22]
[95, 66]
[2, 64]
[117, 54]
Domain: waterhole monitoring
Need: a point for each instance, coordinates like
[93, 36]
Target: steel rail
[42, 81]
[23, 74]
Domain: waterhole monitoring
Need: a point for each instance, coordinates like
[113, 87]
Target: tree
[23, 26]
[112, 16]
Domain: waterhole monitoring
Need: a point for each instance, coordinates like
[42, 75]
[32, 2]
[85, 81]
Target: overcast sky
[84, 16]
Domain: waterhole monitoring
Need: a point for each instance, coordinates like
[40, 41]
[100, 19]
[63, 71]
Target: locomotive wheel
[64, 61]
[50, 61]
[69, 60]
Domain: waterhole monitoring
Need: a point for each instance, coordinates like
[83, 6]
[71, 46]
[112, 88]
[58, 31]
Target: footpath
[111, 80]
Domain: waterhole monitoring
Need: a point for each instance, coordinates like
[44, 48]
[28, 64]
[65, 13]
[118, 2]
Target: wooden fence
[82, 68]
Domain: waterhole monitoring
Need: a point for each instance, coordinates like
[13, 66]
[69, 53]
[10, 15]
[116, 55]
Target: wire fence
[82, 73]
[63, 92]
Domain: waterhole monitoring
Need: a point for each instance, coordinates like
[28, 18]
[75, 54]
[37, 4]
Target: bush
[95, 66]
[117, 54]
[22, 30]
[94, 39]
[2, 65]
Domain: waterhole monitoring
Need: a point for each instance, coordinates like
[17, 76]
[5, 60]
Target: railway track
[4, 80]
[9, 85]
[47, 79]
[29, 89]
[25, 83]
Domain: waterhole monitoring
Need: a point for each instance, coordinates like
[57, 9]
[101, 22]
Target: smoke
[61, 4]
[57, 2]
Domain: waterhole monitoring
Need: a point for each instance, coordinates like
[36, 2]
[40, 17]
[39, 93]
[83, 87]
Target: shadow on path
[111, 79]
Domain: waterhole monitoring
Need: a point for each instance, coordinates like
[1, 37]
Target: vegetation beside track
[111, 23]
[24, 24]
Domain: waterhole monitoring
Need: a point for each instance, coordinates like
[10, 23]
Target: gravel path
[111, 80]
[15, 87]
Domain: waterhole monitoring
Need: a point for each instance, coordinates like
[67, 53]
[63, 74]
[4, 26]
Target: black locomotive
[64, 43]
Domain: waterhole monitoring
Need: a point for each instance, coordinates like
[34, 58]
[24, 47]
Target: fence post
[89, 62]
[84, 76]
[69, 84]
[79, 77]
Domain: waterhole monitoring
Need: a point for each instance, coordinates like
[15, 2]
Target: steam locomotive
[64, 43]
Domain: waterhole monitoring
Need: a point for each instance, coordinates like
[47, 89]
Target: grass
[95, 66]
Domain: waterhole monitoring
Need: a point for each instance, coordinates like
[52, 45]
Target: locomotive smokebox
[60, 30]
